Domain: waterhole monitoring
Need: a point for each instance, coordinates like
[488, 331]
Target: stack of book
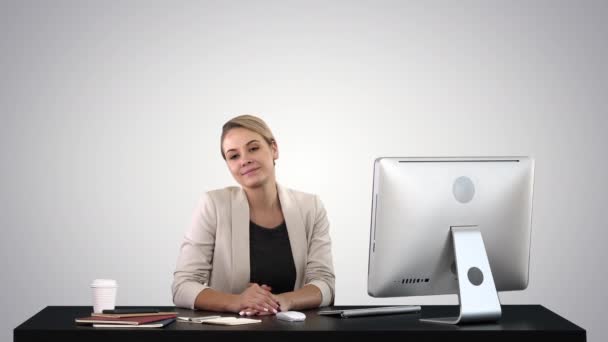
[128, 318]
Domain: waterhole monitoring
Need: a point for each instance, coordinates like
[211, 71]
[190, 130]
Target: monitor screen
[417, 201]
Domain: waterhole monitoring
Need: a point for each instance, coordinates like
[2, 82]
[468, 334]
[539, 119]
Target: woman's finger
[267, 301]
[270, 303]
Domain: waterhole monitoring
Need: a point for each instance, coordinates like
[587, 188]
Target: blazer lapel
[240, 241]
[296, 231]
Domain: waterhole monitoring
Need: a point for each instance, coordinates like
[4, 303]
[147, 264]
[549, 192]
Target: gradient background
[111, 114]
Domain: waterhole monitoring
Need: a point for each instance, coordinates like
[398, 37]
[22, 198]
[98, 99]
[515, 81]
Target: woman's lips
[250, 171]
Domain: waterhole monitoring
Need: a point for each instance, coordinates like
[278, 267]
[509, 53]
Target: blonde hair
[250, 122]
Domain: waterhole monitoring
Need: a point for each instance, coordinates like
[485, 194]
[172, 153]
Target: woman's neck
[264, 198]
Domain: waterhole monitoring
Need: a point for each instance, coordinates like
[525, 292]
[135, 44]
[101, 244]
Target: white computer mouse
[291, 316]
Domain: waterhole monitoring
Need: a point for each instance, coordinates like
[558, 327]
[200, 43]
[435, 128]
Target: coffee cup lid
[104, 283]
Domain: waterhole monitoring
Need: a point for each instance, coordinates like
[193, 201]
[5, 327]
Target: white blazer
[215, 249]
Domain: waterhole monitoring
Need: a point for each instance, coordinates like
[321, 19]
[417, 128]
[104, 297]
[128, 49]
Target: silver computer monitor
[422, 207]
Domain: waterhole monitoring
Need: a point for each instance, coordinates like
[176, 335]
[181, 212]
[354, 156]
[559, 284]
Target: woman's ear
[275, 150]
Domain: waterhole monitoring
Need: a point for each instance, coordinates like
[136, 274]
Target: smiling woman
[250, 156]
[259, 248]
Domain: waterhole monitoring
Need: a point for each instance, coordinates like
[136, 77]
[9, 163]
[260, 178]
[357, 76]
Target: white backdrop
[111, 114]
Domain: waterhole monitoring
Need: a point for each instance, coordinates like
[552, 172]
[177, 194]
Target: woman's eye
[254, 148]
[234, 156]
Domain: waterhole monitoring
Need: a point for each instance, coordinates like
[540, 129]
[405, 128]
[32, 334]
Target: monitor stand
[476, 290]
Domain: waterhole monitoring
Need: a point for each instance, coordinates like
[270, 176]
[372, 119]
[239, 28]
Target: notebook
[123, 321]
[158, 324]
[384, 310]
[123, 315]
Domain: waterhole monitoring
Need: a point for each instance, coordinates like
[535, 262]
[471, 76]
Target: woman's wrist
[286, 301]
[307, 297]
[233, 303]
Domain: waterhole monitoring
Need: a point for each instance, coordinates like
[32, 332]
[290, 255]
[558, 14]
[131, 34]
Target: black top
[270, 258]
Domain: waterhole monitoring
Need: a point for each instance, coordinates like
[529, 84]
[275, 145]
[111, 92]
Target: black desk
[519, 323]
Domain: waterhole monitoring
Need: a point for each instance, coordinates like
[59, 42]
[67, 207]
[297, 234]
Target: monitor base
[477, 294]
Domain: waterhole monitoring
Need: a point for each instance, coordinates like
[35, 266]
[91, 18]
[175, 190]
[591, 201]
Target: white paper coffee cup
[104, 294]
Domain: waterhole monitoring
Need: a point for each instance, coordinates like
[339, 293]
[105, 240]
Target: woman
[259, 248]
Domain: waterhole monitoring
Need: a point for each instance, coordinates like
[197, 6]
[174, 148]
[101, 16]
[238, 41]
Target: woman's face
[249, 157]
